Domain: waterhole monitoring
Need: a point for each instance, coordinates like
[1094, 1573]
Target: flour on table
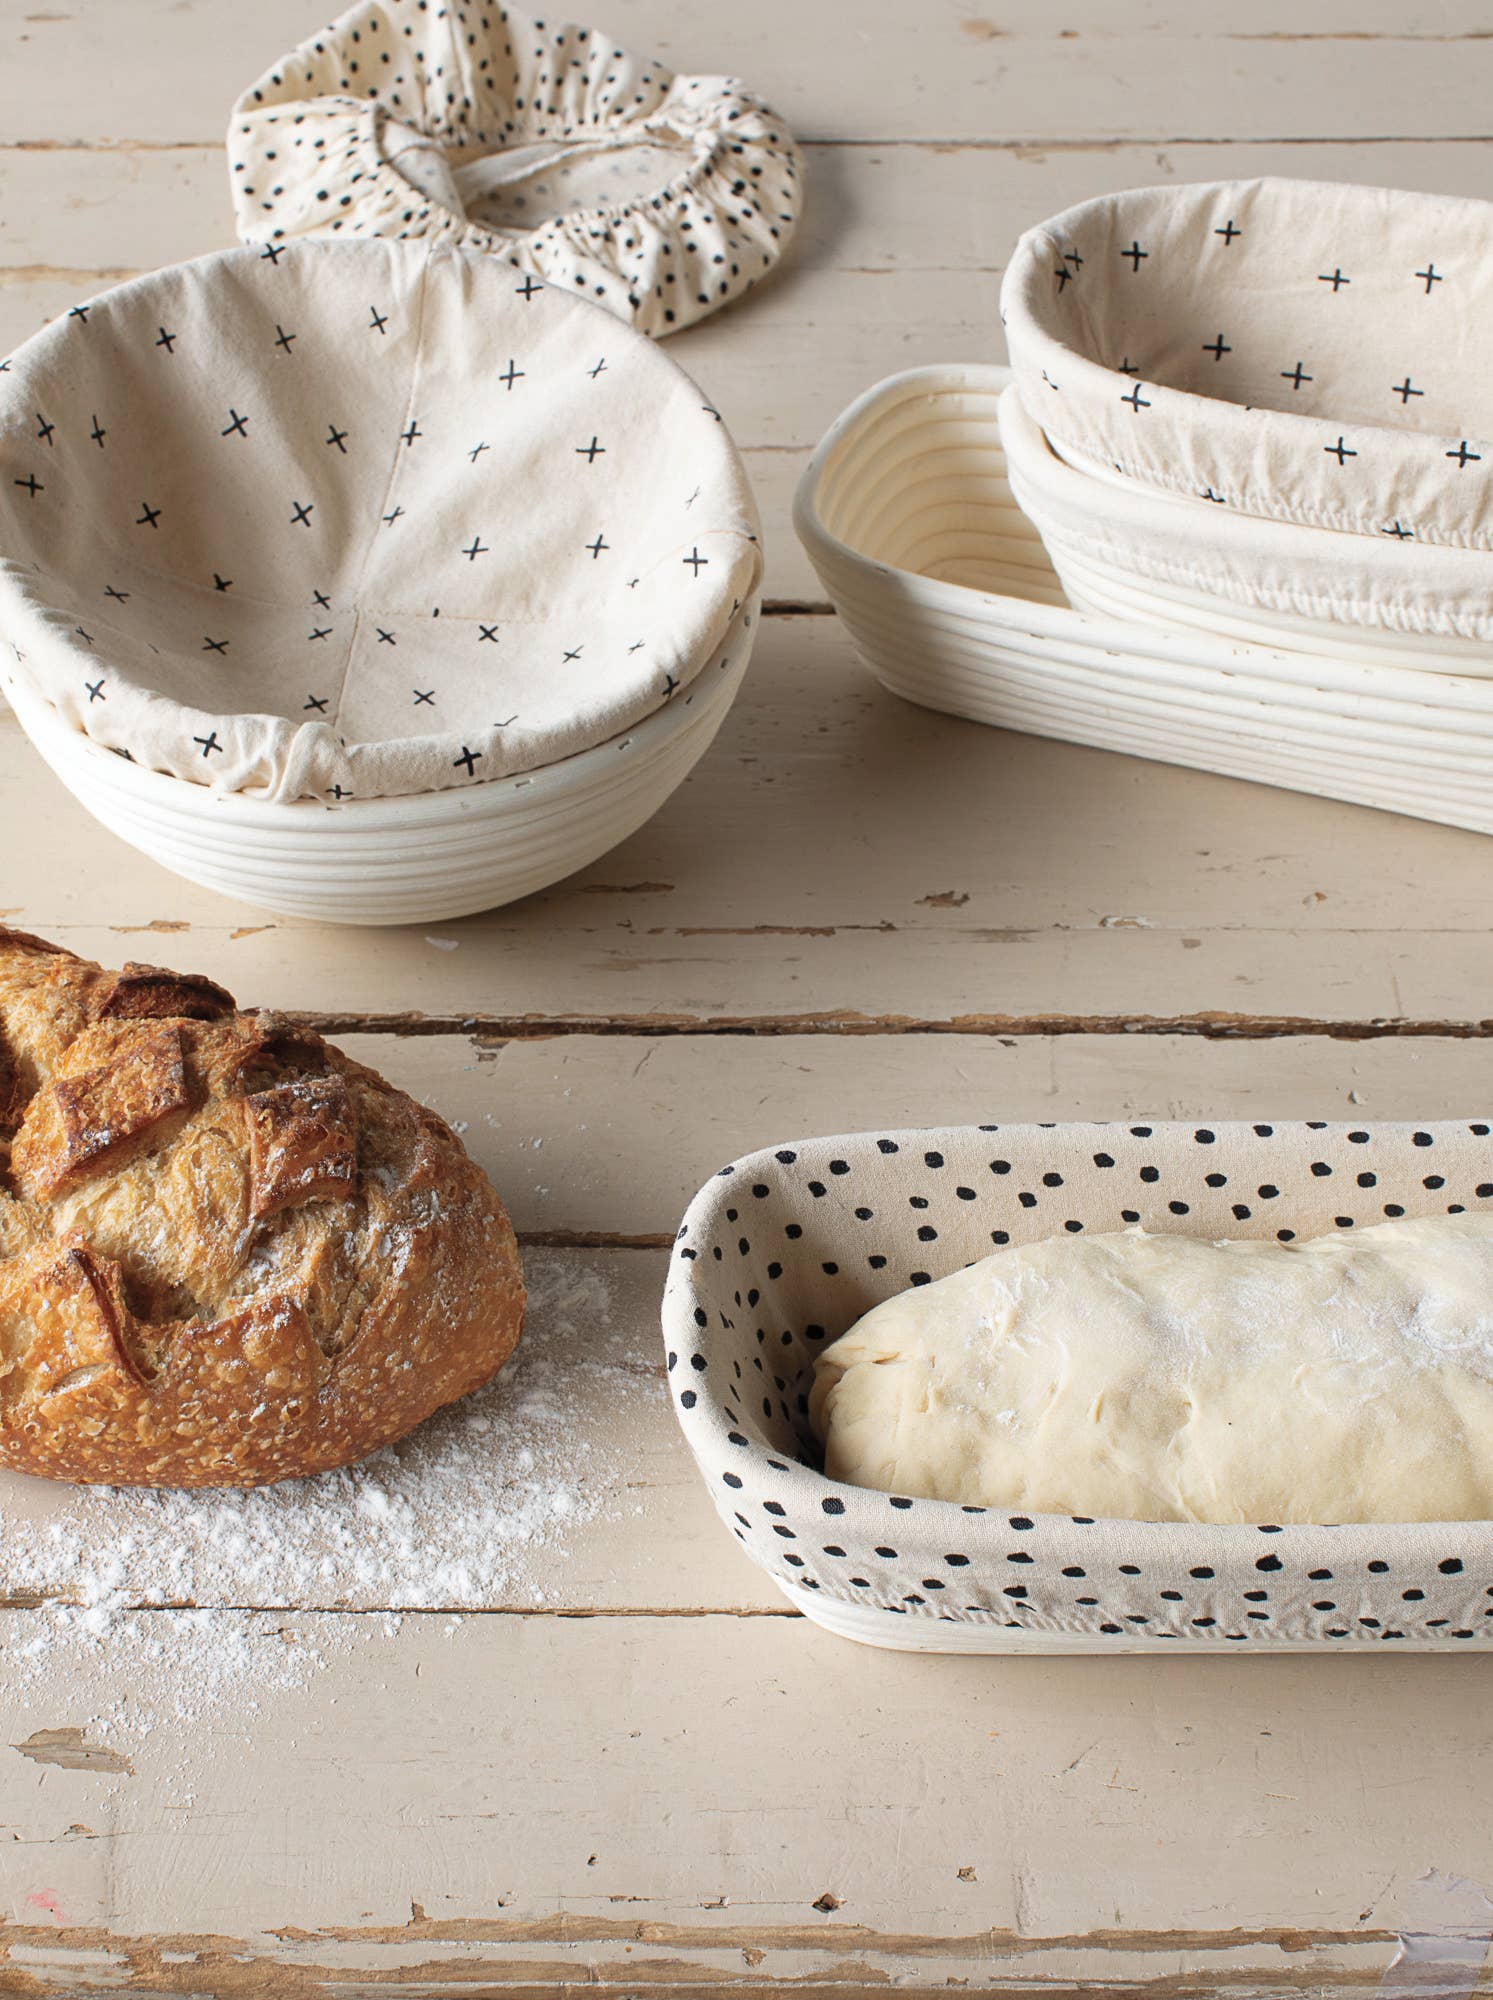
[475, 1507]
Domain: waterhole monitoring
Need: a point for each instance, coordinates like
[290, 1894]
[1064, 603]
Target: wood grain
[951, 69]
[595, 1132]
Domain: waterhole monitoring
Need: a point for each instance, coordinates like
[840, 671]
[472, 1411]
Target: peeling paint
[489, 1032]
[71, 1749]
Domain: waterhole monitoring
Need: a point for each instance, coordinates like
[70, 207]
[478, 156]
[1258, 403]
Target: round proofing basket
[395, 861]
[463, 529]
[909, 518]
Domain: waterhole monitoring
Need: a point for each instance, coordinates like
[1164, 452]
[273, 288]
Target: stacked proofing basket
[1264, 391]
[1246, 427]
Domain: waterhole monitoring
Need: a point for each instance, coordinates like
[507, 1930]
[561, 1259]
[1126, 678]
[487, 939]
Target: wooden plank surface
[813, 871]
[604, 1141]
[506, 1711]
[585, 1133]
[541, 1802]
[949, 69]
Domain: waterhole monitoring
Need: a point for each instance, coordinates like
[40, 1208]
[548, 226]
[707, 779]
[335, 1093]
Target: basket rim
[95, 766]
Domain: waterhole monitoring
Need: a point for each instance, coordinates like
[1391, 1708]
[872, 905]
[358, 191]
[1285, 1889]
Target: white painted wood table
[578, 1760]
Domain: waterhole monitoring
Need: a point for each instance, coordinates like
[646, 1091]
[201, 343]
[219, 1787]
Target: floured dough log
[1160, 1378]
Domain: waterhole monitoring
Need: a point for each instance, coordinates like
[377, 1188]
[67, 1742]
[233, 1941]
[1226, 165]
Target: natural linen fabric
[1301, 351]
[361, 519]
[1126, 550]
[659, 196]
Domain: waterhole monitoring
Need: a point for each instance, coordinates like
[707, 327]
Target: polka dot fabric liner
[360, 520]
[540, 142]
[1296, 350]
[782, 1251]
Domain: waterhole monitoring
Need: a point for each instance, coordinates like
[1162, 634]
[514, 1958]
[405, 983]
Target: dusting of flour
[475, 1509]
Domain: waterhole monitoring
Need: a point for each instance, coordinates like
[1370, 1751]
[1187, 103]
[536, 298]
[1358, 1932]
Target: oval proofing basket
[782, 1251]
[908, 517]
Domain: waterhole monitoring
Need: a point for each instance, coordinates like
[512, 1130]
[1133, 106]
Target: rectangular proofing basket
[782, 1251]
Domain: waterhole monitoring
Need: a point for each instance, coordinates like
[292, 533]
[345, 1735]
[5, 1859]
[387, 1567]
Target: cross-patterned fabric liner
[783, 1251]
[361, 519]
[1303, 351]
[658, 196]
[1167, 561]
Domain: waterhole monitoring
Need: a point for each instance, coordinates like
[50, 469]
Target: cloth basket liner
[661, 197]
[361, 519]
[1162, 560]
[1296, 352]
[782, 1251]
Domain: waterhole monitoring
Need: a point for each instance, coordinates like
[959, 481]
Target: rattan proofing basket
[908, 516]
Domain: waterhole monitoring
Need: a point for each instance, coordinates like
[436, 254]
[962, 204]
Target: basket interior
[918, 482]
[785, 1250]
[1294, 296]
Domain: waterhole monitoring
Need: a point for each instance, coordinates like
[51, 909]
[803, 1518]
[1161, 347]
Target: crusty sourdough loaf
[228, 1254]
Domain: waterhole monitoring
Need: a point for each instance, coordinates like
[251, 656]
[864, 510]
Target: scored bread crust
[228, 1253]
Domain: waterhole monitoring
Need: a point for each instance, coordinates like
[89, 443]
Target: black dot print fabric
[538, 142]
[782, 1251]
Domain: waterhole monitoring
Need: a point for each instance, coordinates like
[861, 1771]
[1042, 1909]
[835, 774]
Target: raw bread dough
[1160, 1378]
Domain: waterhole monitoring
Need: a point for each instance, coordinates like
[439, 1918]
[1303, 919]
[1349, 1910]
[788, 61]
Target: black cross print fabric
[658, 196]
[361, 519]
[1297, 351]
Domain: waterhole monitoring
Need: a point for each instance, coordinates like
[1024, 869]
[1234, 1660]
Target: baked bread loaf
[228, 1254]
[1165, 1378]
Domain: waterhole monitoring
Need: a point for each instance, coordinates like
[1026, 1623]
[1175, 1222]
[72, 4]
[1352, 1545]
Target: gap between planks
[493, 1030]
[579, 1928]
[474, 1954]
[1034, 142]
